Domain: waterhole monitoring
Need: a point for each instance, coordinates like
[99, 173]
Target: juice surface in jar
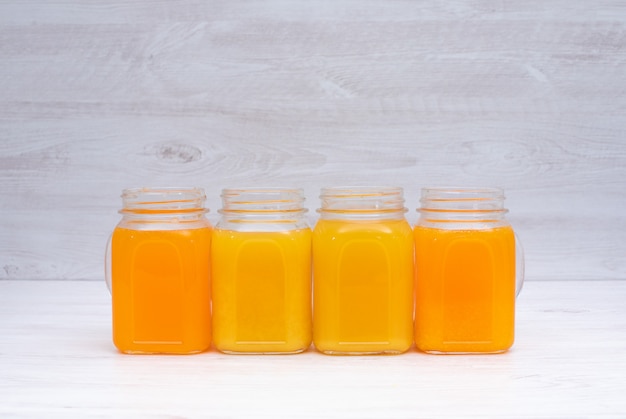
[363, 273]
[261, 255]
[159, 256]
[465, 256]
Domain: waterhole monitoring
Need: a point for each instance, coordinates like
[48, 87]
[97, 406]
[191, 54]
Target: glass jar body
[465, 255]
[261, 270]
[159, 272]
[363, 272]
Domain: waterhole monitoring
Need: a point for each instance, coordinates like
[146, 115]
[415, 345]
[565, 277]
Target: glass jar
[363, 272]
[157, 269]
[261, 264]
[469, 269]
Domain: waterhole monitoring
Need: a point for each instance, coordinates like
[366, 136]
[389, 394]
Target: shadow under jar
[467, 272]
[261, 264]
[157, 268]
[363, 272]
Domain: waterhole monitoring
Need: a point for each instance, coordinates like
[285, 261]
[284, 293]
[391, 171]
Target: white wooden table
[57, 360]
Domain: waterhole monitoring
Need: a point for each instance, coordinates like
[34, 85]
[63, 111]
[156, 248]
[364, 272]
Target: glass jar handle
[107, 263]
[519, 265]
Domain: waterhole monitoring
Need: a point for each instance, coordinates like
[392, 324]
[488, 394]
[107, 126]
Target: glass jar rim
[462, 199]
[227, 192]
[362, 200]
[362, 191]
[461, 192]
[163, 199]
[261, 200]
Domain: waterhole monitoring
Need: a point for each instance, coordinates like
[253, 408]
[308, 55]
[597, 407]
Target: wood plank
[61, 196]
[97, 97]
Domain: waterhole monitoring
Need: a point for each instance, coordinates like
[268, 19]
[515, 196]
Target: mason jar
[363, 272]
[469, 269]
[157, 269]
[261, 264]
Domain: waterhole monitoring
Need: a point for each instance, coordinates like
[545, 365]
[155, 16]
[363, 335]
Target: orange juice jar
[467, 272]
[157, 269]
[363, 272]
[261, 265]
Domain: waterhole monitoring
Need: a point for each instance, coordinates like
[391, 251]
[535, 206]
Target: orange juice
[161, 290]
[465, 280]
[363, 284]
[262, 291]
[159, 272]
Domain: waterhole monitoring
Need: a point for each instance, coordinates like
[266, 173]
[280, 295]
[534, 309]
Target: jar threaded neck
[362, 202]
[461, 204]
[262, 202]
[163, 200]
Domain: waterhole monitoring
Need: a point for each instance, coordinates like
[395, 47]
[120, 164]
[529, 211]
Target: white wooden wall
[96, 96]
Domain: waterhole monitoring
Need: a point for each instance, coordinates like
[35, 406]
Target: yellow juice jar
[261, 272]
[363, 272]
[469, 267]
[157, 268]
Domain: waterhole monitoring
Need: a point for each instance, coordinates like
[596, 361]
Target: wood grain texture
[529, 96]
[57, 360]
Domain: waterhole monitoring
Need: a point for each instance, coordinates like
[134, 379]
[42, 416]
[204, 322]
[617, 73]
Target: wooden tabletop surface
[57, 360]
